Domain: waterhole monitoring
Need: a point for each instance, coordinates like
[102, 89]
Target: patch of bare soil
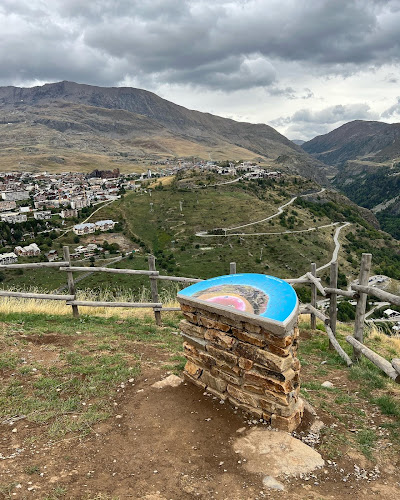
[124, 243]
[161, 444]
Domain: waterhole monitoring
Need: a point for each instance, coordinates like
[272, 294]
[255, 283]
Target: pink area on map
[230, 301]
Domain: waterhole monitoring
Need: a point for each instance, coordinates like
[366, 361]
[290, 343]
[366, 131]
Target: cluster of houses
[68, 191]
[92, 227]
[85, 251]
[246, 169]
[31, 250]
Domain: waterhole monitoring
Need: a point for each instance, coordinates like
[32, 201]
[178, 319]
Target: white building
[15, 195]
[89, 227]
[390, 313]
[42, 215]
[85, 228]
[8, 258]
[105, 225]
[66, 214]
[13, 218]
[79, 203]
[31, 250]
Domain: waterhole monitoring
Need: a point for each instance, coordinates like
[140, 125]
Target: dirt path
[337, 247]
[205, 234]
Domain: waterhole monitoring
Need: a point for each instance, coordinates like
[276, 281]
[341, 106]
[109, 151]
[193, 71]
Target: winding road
[204, 234]
[337, 246]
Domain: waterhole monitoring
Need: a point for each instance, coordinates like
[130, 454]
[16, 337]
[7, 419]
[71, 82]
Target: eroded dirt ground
[171, 443]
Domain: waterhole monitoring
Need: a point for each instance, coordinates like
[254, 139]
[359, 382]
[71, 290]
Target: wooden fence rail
[34, 265]
[39, 296]
[99, 303]
[379, 294]
[358, 292]
[108, 270]
[71, 299]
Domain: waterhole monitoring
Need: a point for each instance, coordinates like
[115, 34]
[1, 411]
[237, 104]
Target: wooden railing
[358, 291]
[71, 298]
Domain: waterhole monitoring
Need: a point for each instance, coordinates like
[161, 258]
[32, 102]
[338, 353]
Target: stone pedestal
[245, 359]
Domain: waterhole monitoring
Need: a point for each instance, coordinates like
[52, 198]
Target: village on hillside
[51, 199]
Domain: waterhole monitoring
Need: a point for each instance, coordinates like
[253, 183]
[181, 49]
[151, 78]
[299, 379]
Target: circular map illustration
[251, 293]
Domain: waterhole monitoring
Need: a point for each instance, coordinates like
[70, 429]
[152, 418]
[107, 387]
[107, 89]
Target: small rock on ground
[271, 483]
[171, 381]
[275, 452]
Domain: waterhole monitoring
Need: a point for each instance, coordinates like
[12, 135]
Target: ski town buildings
[5, 206]
[90, 227]
[31, 250]
[8, 258]
[13, 218]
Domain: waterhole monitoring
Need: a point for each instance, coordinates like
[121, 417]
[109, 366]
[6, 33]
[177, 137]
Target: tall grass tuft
[377, 335]
[167, 296]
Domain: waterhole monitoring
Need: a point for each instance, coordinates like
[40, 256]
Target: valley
[367, 156]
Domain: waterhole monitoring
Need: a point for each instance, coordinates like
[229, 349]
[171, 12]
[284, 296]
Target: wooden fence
[358, 291]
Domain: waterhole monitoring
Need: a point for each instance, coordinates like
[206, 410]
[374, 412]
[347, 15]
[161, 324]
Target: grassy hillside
[153, 222]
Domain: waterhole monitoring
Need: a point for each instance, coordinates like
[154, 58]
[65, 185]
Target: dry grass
[378, 336]
[165, 181]
[17, 305]
[375, 338]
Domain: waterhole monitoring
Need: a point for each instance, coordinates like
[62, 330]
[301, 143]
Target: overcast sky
[303, 66]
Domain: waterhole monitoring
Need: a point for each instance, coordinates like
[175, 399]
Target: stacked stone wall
[244, 363]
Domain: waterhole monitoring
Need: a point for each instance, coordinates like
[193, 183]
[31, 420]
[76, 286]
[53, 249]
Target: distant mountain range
[367, 154]
[370, 141]
[83, 125]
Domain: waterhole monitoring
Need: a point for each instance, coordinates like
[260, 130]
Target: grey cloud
[227, 44]
[306, 124]
[392, 111]
[287, 92]
[230, 75]
[391, 78]
[290, 93]
[334, 114]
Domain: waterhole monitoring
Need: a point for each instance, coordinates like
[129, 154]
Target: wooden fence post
[361, 303]
[154, 289]
[232, 268]
[333, 300]
[313, 319]
[70, 279]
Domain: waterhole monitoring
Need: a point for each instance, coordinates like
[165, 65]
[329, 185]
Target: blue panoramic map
[259, 294]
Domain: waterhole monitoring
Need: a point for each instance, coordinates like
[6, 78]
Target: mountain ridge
[357, 140]
[190, 125]
[367, 155]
